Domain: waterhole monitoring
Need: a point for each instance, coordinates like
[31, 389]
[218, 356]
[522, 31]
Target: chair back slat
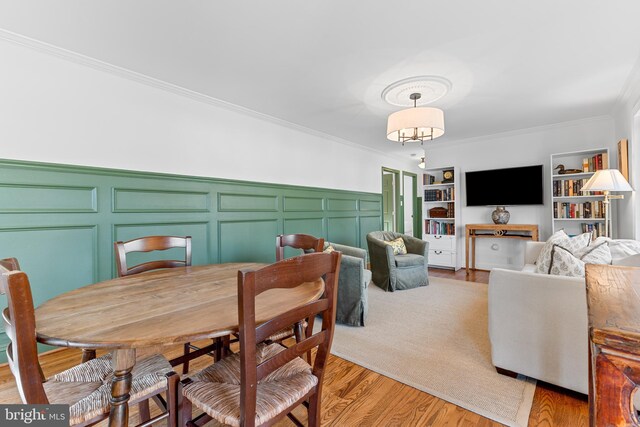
[286, 319]
[305, 242]
[286, 356]
[10, 264]
[150, 244]
[286, 274]
[20, 325]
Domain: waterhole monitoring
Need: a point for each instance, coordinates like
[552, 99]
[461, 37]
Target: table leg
[466, 244]
[473, 251]
[123, 362]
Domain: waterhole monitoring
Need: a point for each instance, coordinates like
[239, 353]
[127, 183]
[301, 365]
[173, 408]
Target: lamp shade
[420, 123]
[607, 180]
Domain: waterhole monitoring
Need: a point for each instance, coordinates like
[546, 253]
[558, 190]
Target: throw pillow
[564, 263]
[398, 246]
[329, 249]
[595, 254]
[621, 248]
[572, 244]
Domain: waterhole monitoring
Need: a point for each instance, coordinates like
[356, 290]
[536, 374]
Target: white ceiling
[323, 64]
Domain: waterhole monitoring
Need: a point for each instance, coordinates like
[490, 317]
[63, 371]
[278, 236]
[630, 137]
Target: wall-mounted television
[505, 187]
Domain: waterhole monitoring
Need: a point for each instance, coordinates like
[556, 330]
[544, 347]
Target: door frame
[397, 204]
[417, 223]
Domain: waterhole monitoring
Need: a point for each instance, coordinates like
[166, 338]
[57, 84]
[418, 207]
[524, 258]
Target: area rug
[435, 339]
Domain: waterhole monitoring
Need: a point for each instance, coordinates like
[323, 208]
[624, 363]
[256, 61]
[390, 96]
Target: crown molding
[630, 90]
[525, 131]
[144, 79]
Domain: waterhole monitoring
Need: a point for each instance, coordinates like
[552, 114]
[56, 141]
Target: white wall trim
[517, 132]
[125, 73]
[631, 88]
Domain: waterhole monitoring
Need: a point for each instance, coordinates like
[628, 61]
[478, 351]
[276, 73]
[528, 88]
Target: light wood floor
[355, 396]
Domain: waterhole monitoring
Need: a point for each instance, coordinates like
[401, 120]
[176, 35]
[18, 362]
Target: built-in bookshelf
[441, 216]
[573, 210]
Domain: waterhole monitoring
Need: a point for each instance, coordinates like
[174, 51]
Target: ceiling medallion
[430, 88]
[417, 123]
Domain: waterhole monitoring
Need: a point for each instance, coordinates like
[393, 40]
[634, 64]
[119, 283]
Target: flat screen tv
[505, 187]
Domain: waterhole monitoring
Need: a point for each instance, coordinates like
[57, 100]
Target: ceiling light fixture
[422, 164]
[415, 124]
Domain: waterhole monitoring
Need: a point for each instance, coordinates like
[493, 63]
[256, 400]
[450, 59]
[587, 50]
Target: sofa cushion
[398, 246]
[621, 248]
[409, 260]
[572, 244]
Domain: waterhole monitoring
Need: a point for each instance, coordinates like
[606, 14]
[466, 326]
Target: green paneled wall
[61, 221]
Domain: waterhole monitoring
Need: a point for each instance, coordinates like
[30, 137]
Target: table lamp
[607, 180]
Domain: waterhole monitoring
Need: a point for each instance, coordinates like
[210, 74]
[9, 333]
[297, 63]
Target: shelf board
[440, 219]
[448, 184]
[440, 201]
[577, 197]
[579, 219]
[572, 175]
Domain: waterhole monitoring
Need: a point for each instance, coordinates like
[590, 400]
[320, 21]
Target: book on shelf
[596, 229]
[428, 179]
[564, 210]
[444, 195]
[595, 163]
[439, 227]
[572, 188]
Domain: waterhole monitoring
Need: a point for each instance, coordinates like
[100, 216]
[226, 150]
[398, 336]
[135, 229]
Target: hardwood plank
[355, 396]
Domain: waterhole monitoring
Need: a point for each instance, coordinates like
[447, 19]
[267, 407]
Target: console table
[495, 231]
[614, 347]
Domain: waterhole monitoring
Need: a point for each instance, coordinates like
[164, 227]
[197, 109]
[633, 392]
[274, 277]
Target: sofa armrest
[538, 326]
[416, 246]
[350, 251]
[531, 251]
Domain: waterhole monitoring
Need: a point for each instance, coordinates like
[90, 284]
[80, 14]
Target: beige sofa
[538, 323]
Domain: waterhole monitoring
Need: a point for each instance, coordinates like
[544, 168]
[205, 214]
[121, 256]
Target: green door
[387, 202]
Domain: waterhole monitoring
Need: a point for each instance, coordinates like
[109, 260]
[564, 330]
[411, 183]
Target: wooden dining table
[156, 309]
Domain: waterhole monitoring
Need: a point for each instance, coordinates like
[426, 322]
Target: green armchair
[353, 281]
[396, 272]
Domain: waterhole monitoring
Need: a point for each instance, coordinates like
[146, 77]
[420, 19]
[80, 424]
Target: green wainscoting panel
[370, 205]
[342, 204]
[247, 203]
[132, 200]
[303, 204]
[238, 242]
[367, 225]
[343, 230]
[60, 221]
[46, 199]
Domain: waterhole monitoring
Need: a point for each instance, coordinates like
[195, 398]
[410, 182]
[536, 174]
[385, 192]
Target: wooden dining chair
[306, 243]
[10, 264]
[264, 382]
[86, 388]
[162, 243]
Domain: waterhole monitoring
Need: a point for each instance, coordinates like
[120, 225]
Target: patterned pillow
[595, 254]
[398, 246]
[572, 244]
[329, 249]
[564, 263]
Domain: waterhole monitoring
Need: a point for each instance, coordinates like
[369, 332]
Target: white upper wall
[55, 110]
[627, 126]
[521, 148]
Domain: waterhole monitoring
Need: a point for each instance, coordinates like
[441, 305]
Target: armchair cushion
[409, 260]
